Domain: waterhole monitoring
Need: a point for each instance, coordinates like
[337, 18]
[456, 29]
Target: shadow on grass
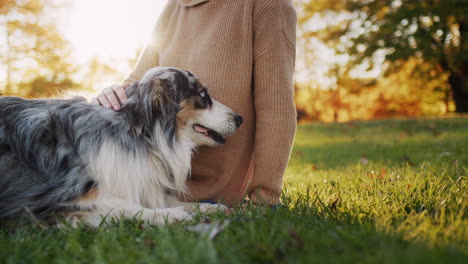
[401, 142]
[339, 155]
[309, 232]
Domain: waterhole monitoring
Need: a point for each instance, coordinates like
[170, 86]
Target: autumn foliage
[356, 59]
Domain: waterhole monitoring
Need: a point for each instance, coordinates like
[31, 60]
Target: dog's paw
[211, 208]
[169, 216]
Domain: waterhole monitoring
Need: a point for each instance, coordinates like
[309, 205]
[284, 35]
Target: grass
[367, 192]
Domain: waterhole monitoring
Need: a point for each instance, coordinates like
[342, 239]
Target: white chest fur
[142, 177]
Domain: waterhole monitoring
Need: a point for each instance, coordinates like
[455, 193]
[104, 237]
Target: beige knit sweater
[244, 52]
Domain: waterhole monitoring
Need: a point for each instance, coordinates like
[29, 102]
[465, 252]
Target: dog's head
[182, 103]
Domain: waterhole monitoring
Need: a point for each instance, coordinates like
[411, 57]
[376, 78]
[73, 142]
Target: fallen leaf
[209, 229]
[294, 235]
[351, 124]
[298, 153]
[382, 174]
[402, 135]
[149, 242]
[364, 161]
[333, 205]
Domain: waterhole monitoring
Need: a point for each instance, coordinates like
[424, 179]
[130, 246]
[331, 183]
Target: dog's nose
[238, 119]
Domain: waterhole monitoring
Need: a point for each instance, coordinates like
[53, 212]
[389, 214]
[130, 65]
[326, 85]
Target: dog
[68, 159]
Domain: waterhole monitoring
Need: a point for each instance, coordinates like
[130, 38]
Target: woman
[244, 52]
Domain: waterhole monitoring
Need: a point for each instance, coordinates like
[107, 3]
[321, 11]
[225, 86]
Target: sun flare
[109, 30]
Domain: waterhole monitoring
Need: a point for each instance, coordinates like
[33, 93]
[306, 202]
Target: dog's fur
[85, 162]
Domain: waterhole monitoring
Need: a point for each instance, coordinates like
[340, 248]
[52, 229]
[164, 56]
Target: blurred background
[356, 59]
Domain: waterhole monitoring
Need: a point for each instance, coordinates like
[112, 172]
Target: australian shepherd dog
[83, 162]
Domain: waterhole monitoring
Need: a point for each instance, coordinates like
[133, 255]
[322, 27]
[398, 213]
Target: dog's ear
[158, 101]
[168, 106]
[145, 95]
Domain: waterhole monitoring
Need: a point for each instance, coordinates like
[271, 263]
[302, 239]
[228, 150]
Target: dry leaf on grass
[209, 229]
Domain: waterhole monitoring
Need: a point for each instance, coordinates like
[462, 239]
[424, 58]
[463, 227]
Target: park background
[379, 165]
[356, 60]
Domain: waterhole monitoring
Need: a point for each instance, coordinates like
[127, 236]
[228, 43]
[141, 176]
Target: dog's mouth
[218, 138]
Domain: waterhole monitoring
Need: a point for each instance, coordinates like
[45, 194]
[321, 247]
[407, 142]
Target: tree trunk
[459, 91]
[458, 79]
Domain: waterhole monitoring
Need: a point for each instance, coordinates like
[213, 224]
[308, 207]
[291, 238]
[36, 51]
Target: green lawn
[366, 192]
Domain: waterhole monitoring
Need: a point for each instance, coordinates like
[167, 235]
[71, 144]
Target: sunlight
[353, 62]
[110, 30]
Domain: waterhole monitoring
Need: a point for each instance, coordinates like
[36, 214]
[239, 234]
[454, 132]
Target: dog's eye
[202, 94]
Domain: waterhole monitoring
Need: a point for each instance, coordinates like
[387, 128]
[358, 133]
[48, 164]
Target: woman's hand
[112, 96]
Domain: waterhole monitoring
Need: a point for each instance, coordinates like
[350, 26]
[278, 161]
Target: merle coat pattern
[68, 157]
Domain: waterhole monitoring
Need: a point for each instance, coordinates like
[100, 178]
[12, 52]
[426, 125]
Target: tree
[97, 73]
[433, 30]
[35, 55]
[6, 5]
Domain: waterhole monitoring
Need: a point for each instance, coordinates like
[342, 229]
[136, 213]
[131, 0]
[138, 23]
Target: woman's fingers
[103, 101]
[110, 94]
[112, 97]
[120, 91]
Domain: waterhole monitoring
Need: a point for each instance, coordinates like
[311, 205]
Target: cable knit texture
[244, 52]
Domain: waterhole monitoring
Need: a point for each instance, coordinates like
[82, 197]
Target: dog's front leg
[108, 210]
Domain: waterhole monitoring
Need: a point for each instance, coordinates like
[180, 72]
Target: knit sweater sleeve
[274, 24]
[148, 59]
